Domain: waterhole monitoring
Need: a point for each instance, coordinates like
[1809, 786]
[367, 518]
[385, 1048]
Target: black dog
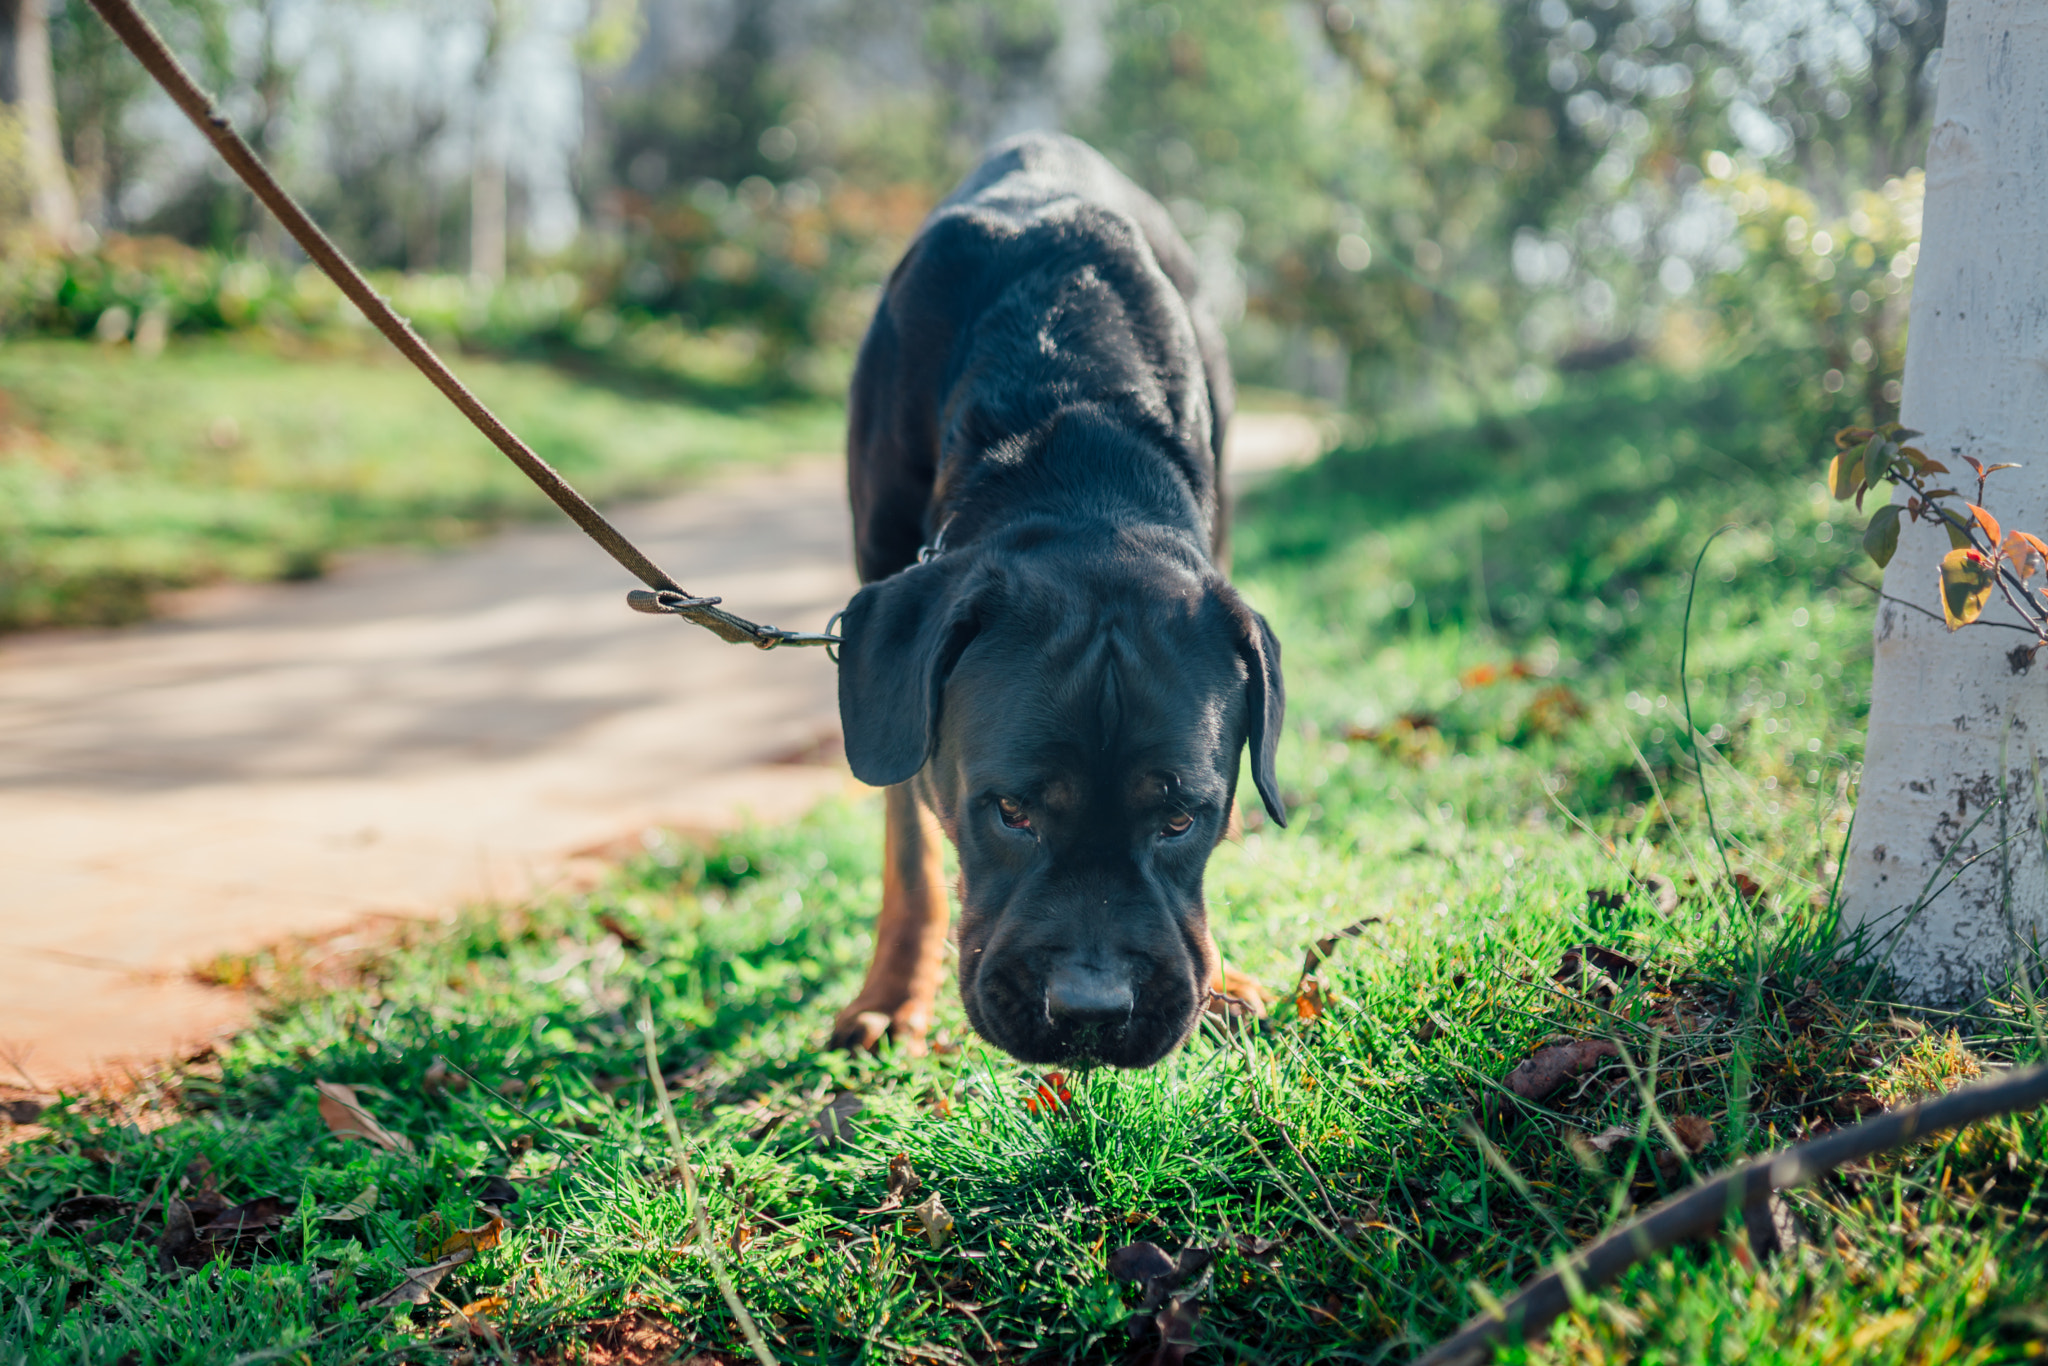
[1047, 658]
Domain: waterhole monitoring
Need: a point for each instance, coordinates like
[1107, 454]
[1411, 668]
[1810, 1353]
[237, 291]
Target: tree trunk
[487, 210]
[1947, 854]
[32, 89]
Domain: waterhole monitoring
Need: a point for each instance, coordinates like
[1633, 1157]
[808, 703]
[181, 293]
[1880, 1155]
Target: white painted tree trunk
[1957, 721]
[52, 204]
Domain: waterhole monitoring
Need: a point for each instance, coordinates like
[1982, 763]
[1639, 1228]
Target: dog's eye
[1180, 824]
[1013, 814]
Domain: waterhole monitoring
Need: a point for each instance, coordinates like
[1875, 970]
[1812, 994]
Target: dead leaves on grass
[420, 1283]
[346, 1117]
[1164, 1325]
[1557, 1062]
[903, 1183]
[1311, 996]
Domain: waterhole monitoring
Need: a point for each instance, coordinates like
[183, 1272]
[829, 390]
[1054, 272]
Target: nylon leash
[663, 595]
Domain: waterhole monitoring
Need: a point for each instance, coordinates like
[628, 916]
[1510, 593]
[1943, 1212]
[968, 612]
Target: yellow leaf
[1966, 583]
[1845, 472]
[482, 1238]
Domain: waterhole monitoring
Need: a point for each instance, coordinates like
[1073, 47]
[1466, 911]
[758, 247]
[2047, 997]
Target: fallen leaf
[835, 1121]
[179, 1234]
[22, 1111]
[492, 1192]
[1610, 1138]
[1856, 1105]
[76, 1213]
[247, 1220]
[1265, 1251]
[1552, 1065]
[1609, 961]
[1162, 1312]
[489, 1304]
[482, 1238]
[442, 1078]
[346, 1118]
[420, 1282]
[903, 1183]
[354, 1209]
[1551, 712]
[1693, 1132]
[1663, 891]
[1322, 948]
[1175, 1323]
[616, 928]
[1479, 676]
[1140, 1262]
[1310, 1001]
[934, 1220]
[202, 1195]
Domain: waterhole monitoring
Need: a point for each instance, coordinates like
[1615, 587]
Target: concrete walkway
[405, 736]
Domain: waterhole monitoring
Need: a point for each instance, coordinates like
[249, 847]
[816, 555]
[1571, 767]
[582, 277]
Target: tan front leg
[910, 935]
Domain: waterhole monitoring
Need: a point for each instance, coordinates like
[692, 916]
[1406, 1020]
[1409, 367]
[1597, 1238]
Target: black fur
[1039, 408]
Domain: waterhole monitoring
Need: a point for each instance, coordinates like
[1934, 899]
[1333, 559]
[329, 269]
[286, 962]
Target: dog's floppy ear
[902, 636]
[1265, 697]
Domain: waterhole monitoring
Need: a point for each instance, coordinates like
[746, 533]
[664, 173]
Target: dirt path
[413, 733]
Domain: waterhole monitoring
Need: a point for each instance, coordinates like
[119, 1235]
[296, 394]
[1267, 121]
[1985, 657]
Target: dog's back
[1047, 282]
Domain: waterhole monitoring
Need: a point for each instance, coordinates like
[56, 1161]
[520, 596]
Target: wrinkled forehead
[1147, 705]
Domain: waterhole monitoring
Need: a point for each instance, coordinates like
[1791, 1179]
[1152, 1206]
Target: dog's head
[1074, 708]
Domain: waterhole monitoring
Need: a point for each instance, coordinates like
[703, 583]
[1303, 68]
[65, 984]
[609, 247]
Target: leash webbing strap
[140, 37]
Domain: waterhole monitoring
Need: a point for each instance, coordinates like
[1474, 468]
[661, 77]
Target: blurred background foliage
[1402, 207]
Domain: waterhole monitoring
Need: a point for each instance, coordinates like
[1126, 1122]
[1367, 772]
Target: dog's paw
[862, 1028]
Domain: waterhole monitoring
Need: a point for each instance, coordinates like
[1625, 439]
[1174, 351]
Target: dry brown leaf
[1554, 1064]
[346, 1118]
[835, 1121]
[441, 1078]
[420, 1282]
[935, 1221]
[1693, 1132]
[1587, 959]
[178, 1234]
[482, 1238]
[247, 1220]
[904, 1182]
[1324, 947]
[1140, 1262]
[354, 1209]
[1610, 1138]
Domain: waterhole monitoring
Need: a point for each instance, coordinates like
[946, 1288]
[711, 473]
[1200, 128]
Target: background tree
[28, 91]
[1949, 838]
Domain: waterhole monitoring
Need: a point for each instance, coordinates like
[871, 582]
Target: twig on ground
[1700, 1211]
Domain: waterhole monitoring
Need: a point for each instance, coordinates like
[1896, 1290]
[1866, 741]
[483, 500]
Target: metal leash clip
[657, 601]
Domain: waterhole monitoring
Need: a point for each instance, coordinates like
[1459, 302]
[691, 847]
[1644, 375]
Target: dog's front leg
[910, 935]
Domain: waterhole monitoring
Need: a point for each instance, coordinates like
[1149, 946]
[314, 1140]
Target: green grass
[1340, 1164]
[226, 458]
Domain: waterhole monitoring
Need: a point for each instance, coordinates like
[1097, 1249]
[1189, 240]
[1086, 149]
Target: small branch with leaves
[1983, 556]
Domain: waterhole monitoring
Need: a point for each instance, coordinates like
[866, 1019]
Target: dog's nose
[1078, 995]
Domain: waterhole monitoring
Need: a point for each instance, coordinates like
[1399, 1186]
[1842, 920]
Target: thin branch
[1702, 1210]
[1931, 616]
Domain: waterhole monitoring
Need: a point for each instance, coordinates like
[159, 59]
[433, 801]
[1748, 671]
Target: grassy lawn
[225, 458]
[1482, 628]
